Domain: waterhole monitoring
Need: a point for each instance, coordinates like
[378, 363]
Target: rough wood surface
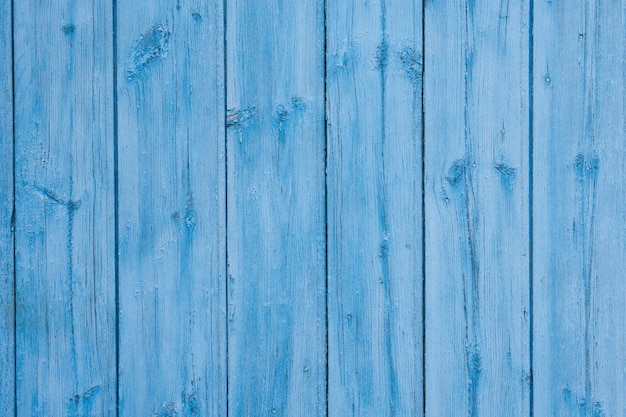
[579, 213]
[65, 287]
[171, 226]
[327, 208]
[374, 82]
[276, 206]
[476, 104]
[7, 278]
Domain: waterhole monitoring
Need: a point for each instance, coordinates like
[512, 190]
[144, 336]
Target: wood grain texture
[374, 79]
[476, 103]
[171, 229]
[313, 208]
[276, 207]
[579, 212]
[7, 277]
[65, 306]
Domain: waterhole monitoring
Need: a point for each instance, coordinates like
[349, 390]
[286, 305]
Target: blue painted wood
[124, 138]
[476, 103]
[276, 207]
[579, 213]
[171, 133]
[65, 306]
[7, 298]
[375, 275]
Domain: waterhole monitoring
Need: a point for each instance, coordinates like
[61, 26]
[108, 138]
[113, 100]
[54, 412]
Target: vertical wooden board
[65, 288]
[276, 223]
[171, 225]
[579, 214]
[375, 274]
[476, 105]
[7, 295]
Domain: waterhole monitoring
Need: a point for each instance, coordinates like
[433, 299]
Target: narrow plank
[477, 260]
[579, 213]
[276, 223]
[375, 274]
[172, 299]
[7, 278]
[65, 287]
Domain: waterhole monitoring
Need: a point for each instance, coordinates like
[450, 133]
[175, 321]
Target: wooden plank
[65, 284]
[7, 277]
[579, 212]
[171, 134]
[375, 274]
[477, 216]
[276, 207]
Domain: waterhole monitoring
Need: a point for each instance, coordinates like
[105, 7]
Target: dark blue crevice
[225, 265]
[423, 212]
[325, 49]
[116, 210]
[530, 204]
[13, 214]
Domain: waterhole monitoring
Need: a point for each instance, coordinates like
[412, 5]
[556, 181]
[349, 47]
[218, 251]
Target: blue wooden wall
[313, 208]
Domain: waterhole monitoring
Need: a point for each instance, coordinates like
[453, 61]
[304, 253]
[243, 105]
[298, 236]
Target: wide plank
[276, 208]
[476, 103]
[579, 213]
[171, 197]
[64, 197]
[375, 218]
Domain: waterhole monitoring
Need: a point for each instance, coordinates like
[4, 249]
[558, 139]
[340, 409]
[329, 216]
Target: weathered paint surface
[375, 276]
[579, 213]
[171, 199]
[65, 287]
[476, 104]
[325, 208]
[276, 207]
[7, 297]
